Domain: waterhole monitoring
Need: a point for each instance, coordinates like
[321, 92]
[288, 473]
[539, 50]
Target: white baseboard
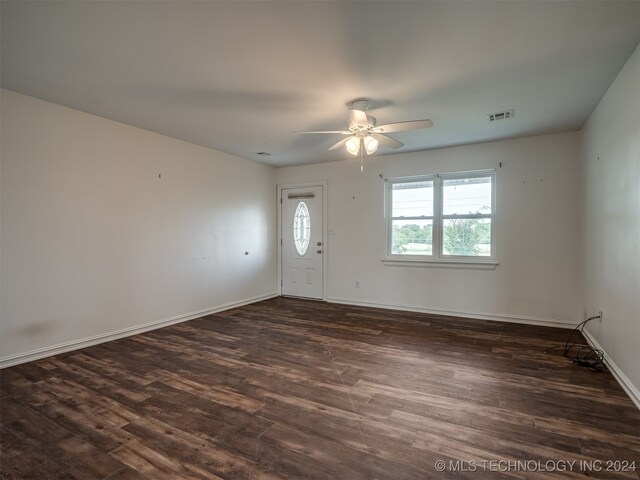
[125, 332]
[629, 388]
[493, 317]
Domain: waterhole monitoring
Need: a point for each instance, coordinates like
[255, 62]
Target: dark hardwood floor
[290, 388]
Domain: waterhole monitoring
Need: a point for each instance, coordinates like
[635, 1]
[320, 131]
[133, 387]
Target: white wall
[536, 221]
[610, 226]
[94, 242]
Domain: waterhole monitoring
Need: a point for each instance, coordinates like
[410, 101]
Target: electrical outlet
[357, 283]
[600, 313]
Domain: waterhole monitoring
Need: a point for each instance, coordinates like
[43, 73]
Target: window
[301, 228]
[412, 218]
[441, 218]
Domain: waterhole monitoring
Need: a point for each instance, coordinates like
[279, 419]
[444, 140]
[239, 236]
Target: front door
[302, 247]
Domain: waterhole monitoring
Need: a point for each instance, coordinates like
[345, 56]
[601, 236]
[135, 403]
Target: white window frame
[437, 258]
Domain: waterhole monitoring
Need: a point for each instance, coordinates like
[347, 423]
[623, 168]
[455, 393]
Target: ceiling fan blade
[358, 117]
[387, 141]
[339, 144]
[403, 126]
[342, 132]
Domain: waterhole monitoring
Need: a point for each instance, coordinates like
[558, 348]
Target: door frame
[325, 249]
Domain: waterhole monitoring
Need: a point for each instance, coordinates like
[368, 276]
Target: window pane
[411, 237]
[467, 237]
[301, 228]
[466, 195]
[414, 199]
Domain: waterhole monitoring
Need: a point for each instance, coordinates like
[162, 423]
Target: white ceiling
[242, 76]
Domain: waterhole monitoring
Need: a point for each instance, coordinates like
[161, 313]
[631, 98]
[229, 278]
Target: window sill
[442, 263]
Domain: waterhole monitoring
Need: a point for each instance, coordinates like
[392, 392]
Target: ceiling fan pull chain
[361, 161]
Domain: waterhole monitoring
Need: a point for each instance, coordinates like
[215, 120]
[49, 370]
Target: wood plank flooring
[289, 388]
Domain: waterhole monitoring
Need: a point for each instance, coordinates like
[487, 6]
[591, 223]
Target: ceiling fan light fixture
[353, 145]
[370, 144]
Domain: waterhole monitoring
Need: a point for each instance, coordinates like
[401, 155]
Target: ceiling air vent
[500, 115]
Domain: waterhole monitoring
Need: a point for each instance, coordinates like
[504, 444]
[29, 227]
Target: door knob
[318, 251]
[319, 244]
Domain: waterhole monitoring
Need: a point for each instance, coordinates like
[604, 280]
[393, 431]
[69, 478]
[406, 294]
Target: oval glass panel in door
[301, 228]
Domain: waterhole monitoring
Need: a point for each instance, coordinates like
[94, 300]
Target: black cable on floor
[584, 355]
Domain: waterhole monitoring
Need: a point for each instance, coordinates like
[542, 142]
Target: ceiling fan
[364, 136]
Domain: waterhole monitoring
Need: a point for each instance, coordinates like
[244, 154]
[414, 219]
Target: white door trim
[325, 243]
